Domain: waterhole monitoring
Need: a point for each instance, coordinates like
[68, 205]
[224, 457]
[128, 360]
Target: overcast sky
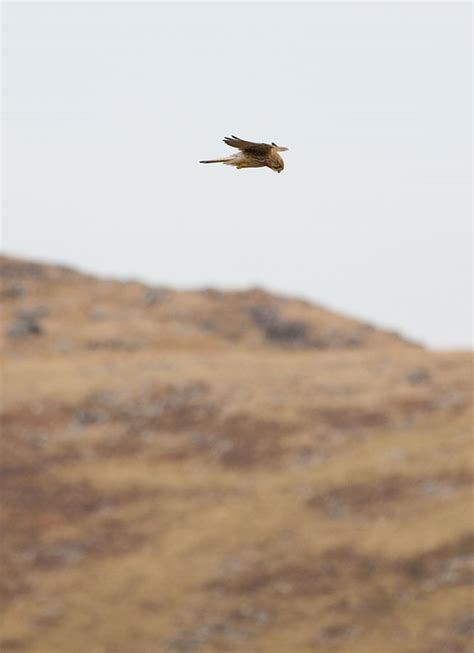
[109, 107]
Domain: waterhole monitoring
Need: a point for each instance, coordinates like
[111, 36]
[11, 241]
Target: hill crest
[63, 305]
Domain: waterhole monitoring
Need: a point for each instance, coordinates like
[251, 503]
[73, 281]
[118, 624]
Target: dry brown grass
[175, 479]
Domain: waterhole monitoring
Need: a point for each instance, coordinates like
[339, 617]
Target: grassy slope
[175, 481]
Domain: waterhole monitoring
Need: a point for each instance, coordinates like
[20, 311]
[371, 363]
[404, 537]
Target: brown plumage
[252, 155]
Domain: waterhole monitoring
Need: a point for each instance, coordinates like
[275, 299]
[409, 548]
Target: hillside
[209, 472]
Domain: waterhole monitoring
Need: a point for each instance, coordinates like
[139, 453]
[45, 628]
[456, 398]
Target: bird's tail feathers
[216, 160]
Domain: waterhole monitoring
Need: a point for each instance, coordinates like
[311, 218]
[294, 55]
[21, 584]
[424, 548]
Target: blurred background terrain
[188, 468]
[209, 471]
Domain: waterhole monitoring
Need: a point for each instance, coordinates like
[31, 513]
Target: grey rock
[418, 376]
[278, 329]
[27, 322]
[24, 327]
[89, 417]
[154, 296]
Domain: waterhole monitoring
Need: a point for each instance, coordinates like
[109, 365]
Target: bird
[252, 155]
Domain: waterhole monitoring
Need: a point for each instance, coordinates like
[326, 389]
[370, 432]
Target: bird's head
[278, 166]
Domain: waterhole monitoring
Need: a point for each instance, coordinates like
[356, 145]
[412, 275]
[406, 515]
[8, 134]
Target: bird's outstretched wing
[262, 149]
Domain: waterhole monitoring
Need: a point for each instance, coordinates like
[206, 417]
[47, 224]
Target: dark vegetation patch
[334, 634]
[40, 497]
[193, 419]
[182, 421]
[168, 407]
[36, 500]
[29, 443]
[453, 634]
[302, 576]
[350, 417]
[24, 422]
[113, 344]
[351, 587]
[43, 496]
[13, 268]
[385, 496]
[12, 291]
[245, 441]
[241, 441]
[450, 564]
[221, 628]
[392, 412]
[109, 537]
[17, 269]
[14, 644]
[208, 633]
[13, 579]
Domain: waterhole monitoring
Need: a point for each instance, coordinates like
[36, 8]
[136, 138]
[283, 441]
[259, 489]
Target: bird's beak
[282, 149]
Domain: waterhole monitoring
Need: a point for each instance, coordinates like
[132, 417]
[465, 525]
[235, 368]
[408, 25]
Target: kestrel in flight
[252, 155]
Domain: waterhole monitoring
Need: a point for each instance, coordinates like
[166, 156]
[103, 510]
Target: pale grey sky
[107, 109]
